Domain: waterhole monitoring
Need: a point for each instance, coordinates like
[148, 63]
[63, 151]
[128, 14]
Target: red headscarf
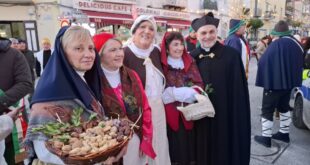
[187, 59]
[101, 39]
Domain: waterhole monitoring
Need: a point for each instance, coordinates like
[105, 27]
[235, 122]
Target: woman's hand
[14, 114]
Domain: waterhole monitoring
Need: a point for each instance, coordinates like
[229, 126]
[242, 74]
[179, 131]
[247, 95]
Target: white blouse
[113, 77]
[175, 63]
[154, 83]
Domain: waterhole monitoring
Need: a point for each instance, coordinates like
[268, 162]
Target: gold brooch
[202, 56]
[211, 55]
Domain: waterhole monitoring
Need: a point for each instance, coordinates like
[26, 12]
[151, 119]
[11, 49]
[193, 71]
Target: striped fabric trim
[266, 127]
[285, 121]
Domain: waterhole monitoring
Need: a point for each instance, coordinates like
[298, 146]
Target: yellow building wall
[278, 6]
[47, 22]
[16, 13]
[44, 13]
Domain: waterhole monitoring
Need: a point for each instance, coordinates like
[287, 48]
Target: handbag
[202, 108]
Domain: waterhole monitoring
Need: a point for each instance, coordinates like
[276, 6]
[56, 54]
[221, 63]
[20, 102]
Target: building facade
[269, 11]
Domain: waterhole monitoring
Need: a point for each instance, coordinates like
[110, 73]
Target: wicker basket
[198, 110]
[90, 158]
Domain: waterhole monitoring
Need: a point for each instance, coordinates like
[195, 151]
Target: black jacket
[15, 76]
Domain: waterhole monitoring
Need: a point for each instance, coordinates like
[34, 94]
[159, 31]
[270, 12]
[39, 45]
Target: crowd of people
[99, 73]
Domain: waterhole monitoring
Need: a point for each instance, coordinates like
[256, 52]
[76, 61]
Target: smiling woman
[181, 73]
[79, 48]
[124, 95]
[143, 56]
[70, 80]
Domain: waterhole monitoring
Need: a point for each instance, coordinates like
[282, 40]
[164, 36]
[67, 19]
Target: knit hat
[45, 41]
[140, 19]
[101, 39]
[234, 25]
[205, 20]
[281, 29]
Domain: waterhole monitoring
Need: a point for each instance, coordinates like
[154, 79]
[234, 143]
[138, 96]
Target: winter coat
[15, 76]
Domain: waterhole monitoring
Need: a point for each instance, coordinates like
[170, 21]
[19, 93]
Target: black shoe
[282, 137]
[265, 141]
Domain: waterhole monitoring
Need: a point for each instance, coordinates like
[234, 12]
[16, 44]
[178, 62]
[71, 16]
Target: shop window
[5, 30]
[12, 30]
[18, 30]
[32, 37]
[123, 33]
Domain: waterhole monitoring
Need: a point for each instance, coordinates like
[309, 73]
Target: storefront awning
[104, 19]
[108, 18]
[174, 23]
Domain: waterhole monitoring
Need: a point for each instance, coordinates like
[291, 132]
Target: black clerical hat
[205, 20]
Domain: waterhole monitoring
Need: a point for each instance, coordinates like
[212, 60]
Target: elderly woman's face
[81, 54]
[112, 55]
[144, 35]
[176, 48]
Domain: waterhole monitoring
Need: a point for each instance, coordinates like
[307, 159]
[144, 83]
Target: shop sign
[120, 1]
[102, 7]
[163, 13]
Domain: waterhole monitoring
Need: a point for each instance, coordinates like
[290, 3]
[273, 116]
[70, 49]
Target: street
[296, 153]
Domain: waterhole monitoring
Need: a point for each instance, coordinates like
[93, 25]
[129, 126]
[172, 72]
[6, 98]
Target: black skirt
[181, 145]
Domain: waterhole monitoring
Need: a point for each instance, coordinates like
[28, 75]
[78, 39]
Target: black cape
[226, 138]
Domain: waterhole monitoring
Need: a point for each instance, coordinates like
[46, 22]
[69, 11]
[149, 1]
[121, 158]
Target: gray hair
[74, 33]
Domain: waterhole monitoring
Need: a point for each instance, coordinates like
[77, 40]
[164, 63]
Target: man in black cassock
[226, 138]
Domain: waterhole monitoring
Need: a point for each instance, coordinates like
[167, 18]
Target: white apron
[154, 86]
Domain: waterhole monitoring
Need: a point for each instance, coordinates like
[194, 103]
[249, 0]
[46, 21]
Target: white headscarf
[141, 18]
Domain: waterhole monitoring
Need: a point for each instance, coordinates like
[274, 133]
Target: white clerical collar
[113, 77]
[81, 74]
[206, 49]
[175, 63]
[141, 53]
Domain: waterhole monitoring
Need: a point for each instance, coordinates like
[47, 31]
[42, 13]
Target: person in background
[262, 46]
[305, 42]
[6, 127]
[15, 83]
[237, 41]
[43, 56]
[124, 95]
[226, 138]
[181, 73]
[284, 55]
[14, 43]
[71, 80]
[297, 37]
[191, 40]
[143, 56]
[29, 56]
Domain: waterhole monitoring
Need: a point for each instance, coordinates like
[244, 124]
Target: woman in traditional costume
[123, 94]
[71, 80]
[181, 73]
[143, 56]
